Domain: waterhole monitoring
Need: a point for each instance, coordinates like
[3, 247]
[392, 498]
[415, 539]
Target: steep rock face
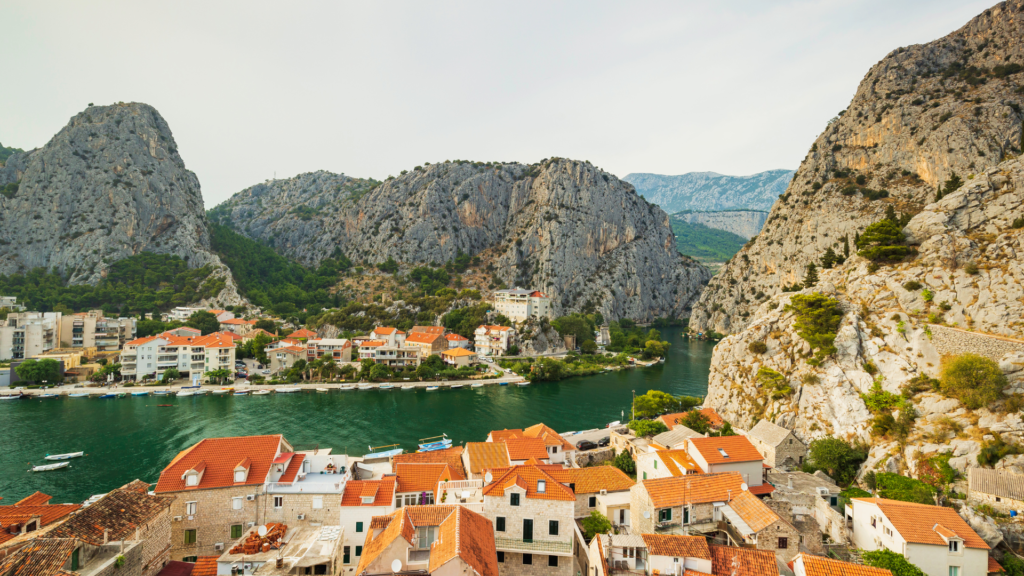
[109, 185]
[564, 227]
[900, 332]
[745, 223]
[921, 114]
[709, 191]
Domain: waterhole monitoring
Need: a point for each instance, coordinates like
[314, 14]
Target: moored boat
[344, 387]
[143, 393]
[46, 396]
[288, 389]
[11, 397]
[46, 467]
[221, 392]
[182, 393]
[241, 393]
[67, 456]
[79, 395]
[107, 396]
[261, 392]
[384, 453]
[478, 385]
[386, 386]
[444, 442]
[456, 386]
[162, 393]
[322, 390]
[523, 383]
[367, 386]
[432, 388]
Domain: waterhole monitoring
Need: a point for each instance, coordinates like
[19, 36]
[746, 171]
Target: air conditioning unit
[250, 497]
[191, 517]
[177, 518]
[250, 524]
[822, 491]
[302, 516]
[219, 546]
[603, 492]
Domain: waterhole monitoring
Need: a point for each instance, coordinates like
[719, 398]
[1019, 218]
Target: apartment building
[338, 348]
[391, 336]
[362, 501]
[27, 334]
[520, 305]
[182, 348]
[94, 330]
[392, 356]
[493, 340]
[427, 342]
[457, 341]
[11, 303]
[284, 357]
[182, 313]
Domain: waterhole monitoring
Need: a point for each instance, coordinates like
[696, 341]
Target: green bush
[974, 380]
[1018, 223]
[883, 242]
[817, 320]
[775, 384]
[994, 450]
[897, 487]
[644, 428]
[838, 458]
[912, 285]
[971, 268]
[758, 347]
[625, 463]
[891, 561]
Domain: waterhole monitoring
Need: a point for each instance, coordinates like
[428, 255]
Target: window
[783, 543]
[501, 556]
[645, 475]
[236, 530]
[346, 557]
[998, 499]
[593, 501]
[359, 550]
[528, 559]
[190, 536]
[542, 486]
[278, 501]
[318, 502]
[499, 524]
[954, 545]
[240, 476]
[664, 515]
[425, 536]
[655, 464]
[873, 522]
[552, 560]
[192, 480]
[191, 559]
[236, 503]
[954, 571]
[190, 508]
[359, 526]
[514, 499]
[552, 527]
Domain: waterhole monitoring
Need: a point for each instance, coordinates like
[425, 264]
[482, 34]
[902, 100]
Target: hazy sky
[369, 89]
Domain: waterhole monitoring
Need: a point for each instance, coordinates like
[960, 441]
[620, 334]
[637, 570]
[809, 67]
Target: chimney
[106, 535]
[790, 481]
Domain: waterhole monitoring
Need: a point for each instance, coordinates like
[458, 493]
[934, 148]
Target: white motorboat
[323, 390]
[143, 393]
[524, 383]
[288, 390]
[221, 392]
[47, 467]
[347, 387]
[82, 395]
[433, 388]
[478, 385]
[259, 393]
[67, 456]
[186, 393]
[456, 386]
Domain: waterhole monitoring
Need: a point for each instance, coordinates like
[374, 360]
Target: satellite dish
[488, 478]
[744, 487]
[647, 514]
[396, 565]
[262, 531]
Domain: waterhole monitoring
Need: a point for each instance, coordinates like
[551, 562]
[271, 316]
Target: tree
[655, 349]
[108, 369]
[952, 184]
[696, 420]
[218, 376]
[547, 369]
[836, 457]
[574, 325]
[588, 347]
[811, 278]
[256, 347]
[644, 428]
[846, 246]
[596, 524]
[828, 260]
[380, 372]
[883, 241]
[45, 370]
[170, 374]
[389, 266]
[891, 561]
[203, 321]
[974, 380]
[623, 461]
[268, 325]
[817, 320]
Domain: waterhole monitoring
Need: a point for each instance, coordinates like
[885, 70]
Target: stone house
[437, 540]
[1003, 490]
[65, 556]
[479, 457]
[128, 514]
[362, 501]
[682, 504]
[809, 496]
[417, 482]
[533, 518]
[305, 488]
[28, 515]
[780, 447]
[522, 448]
[730, 454]
[593, 484]
[649, 553]
[934, 538]
[750, 522]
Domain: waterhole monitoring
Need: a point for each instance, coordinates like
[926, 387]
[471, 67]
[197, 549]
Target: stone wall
[513, 566]
[294, 505]
[213, 518]
[1004, 505]
[596, 456]
[132, 559]
[156, 543]
[952, 341]
[768, 539]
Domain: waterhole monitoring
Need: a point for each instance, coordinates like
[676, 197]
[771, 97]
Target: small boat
[11, 397]
[162, 393]
[165, 405]
[46, 467]
[240, 393]
[367, 386]
[502, 383]
[107, 396]
[432, 388]
[143, 393]
[345, 387]
[67, 456]
[444, 442]
[289, 390]
[384, 453]
[408, 386]
[261, 393]
[456, 386]
[182, 393]
[478, 385]
[386, 386]
[80, 395]
[522, 384]
[46, 396]
[220, 392]
[322, 390]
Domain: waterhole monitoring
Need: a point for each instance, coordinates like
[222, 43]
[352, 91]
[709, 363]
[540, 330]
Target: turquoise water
[131, 438]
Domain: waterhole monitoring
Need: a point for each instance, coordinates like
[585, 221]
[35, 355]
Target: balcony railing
[530, 546]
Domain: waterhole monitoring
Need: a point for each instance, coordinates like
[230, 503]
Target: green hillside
[706, 244]
[6, 153]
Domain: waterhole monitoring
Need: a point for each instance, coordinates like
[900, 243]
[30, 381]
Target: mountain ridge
[711, 191]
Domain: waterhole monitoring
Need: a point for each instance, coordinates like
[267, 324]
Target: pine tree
[938, 194]
[812, 276]
[846, 246]
[952, 184]
[856, 238]
[890, 214]
[829, 259]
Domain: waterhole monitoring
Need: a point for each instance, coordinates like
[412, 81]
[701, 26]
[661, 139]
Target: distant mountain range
[708, 191]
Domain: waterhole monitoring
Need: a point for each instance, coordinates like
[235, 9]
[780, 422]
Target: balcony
[554, 547]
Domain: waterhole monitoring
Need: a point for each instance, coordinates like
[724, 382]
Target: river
[131, 438]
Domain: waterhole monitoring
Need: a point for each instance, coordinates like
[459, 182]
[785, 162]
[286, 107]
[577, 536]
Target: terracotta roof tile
[468, 536]
[422, 338]
[293, 468]
[205, 566]
[17, 513]
[451, 456]
[302, 333]
[527, 477]
[716, 420]
[735, 448]
[220, 455]
[487, 455]
[677, 546]
[753, 511]
[526, 448]
[428, 329]
[693, 488]
[414, 477]
[397, 526]
[733, 561]
[116, 515]
[916, 522]
[502, 435]
[822, 566]
[762, 490]
[677, 462]
[39, 557]
[455, 338]
[455, 352]
[551, 438]
[35, 499]
[593, 479]
[384, 330]
[671, 420]
[178, 568]
[372, 343]
[382, 491]
[994, 567]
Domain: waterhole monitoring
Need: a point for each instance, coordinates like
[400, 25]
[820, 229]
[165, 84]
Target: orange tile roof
[427, 329]
[205, 566]
[593, 479]
[526, 477]
[678, 461]
[487, 455]
[423, 477]
[220, 455]
[762, 490]
[302, 333]
[450, 456]
[293, 468]
[916, 522]
[670, 420]
[526, 448]
[385, 330]
[733, 561]
[231, 335]
[753, 511]
[398, 526]
[716, 420]
[140, 341]
[237, 322]
[822, 566]
[18, 513]
[35, 499]
[551, 438]
[115, 516]
[455, 338]
[736, 448]
[456, 352]
[693, 488]
[468, 536]
[677, 546]
[501, 435]
[383, 492]
[994, 567]
[422, 338]
[371, 343]
[494, 328]
[39, 557]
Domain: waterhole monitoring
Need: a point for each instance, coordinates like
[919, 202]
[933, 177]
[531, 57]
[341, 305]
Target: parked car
[266, 372]
[585, 445]
[241, 375]
[604, 442]
[260, 366]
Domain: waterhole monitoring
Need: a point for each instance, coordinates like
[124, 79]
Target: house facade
[493, 340]
[681, 505]
[520, 305]
[429, 343]
[339, 349]
[780, 447]
[28, 334]
[362, 501]
[1002, 489]
[182, 348]
[94, 330]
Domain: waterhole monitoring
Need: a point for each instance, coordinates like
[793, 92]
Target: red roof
[455, 338]
[205, 566]
[423, 477]
[302, 333]
[34, 505]
[762, 489]
[721, 449]
[220, 456]
[526, 477]
[293, 468]
[385, 330]
[422, 338]
[383, 492]
[526, 448]
[238, 322]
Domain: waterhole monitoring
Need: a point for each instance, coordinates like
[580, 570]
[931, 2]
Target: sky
[254, 89]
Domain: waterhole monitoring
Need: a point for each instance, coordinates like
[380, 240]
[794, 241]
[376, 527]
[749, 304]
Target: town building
[427, 342]
[237, 325]
[450, 456]
[668, 554]
[809, 565]
[283, 358]
[673, 420]
[730, 454]
[750, 522]
[221, 315]
[459, 357]
[682, 505]
[439, 330]
[362, 501]
[338, 348]
[809, 496]
[254, 332]
[457, 341]
[603, 489]
[493, 340]
[665, 464]
[933, 538]
[69, 556]
[93, 330]
[479, 457]
[560, 451]
[306, 488]
[27, 334]
[1003, 489]
[302, 334]
[435, 540]
[390, 356]
[389, 335]
[417, 482]
[183, 313]
[30, 514]
[11, 304]
[182, 348]
[285, 550]
[520, 305]
[674, 439]
[736, 561]
[779, 447]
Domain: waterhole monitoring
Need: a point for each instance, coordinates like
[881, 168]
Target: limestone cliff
[745, 223]
[109, 185]
[709, 191]
[561, 226]
[921, 114]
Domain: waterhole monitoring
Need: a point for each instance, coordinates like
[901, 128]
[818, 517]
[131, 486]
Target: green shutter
[346, 558]
[359, 528]
[359, 550]
[236, 531]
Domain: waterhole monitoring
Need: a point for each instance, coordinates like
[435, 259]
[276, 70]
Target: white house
[730, 454]
[934, 538]
[493, 340]
[182, 348]
[519, 304]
